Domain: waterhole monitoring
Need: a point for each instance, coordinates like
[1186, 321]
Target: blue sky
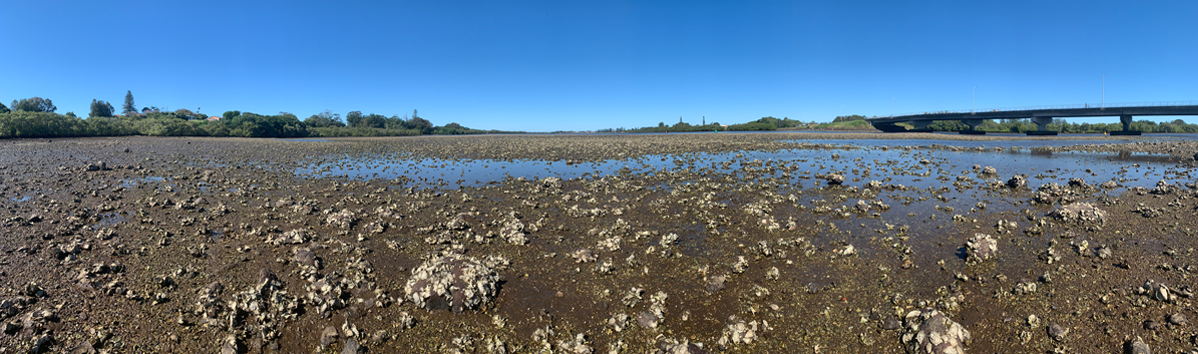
[572, 65]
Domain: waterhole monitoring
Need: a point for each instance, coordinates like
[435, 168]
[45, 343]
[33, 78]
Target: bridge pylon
[1126, 120]
[921, 126]
[973, 127]
[1042, 126]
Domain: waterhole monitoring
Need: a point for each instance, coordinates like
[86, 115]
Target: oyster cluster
[929, 331]
[454, 281]
[979, 248]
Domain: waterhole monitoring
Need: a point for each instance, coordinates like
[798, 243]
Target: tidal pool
[918, 163]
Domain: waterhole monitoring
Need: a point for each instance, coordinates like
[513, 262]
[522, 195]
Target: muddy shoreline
[219, 244]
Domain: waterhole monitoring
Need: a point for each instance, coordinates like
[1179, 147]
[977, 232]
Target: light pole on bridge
[973, 109]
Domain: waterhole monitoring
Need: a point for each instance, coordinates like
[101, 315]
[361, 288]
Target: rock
[84, 347]
[929, 331]
[618, 321]
[1151, 325]
[834, 178]
[351, 347]
[210, 294]
[891, 324]
[1177, 319]
[328, 335]
[683, 348]
[1163, 187]
[1057, 332]
[1136, 346]
[229, 345]
[979, 248]
[583, 256]
[716, 283]
[1079, 213]
[552, 182]
[11, 327]
[1157, 291]
[989, 170]
[306, 258]
[344, 219]
[266, 276]
[462, 221]
[739, 332]
[381, 336]
[773, 273]
[1017, 181]
[577, 345]
[455, 282]
[1109, 185]
[34, 290]
[41, 344]
[647, 319]
[513, 232]
[293, 237]
[741, 265]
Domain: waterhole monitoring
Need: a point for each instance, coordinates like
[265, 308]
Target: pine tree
[129, 107]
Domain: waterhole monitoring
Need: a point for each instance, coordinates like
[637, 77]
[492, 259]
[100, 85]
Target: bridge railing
[1064, 106]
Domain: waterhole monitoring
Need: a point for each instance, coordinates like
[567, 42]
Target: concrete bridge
[1041, 115]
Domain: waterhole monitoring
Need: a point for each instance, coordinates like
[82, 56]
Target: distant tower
[704, 120]
[679, 119]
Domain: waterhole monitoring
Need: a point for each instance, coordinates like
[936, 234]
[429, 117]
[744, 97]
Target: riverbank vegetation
[1063, 126]
[763, 124]
[851, 122]
[36, 118]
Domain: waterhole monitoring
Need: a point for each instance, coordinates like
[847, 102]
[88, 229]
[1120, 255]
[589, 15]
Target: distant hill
[845, 125]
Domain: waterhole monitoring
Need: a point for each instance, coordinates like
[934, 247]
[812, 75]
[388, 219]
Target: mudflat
[678, 243]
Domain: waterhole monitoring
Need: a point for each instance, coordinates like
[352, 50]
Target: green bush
[26, 124]
[30, 124]
[752, 126]
[330, 132]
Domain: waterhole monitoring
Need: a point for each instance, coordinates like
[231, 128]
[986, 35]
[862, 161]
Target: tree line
[1063, 126]
[765, 123]
[36, 117]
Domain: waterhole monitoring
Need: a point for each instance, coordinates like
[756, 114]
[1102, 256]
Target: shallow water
[860, 165]
[306, 140]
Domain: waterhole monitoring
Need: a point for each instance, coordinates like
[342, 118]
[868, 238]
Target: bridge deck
[1041, 115]
[1187, 110]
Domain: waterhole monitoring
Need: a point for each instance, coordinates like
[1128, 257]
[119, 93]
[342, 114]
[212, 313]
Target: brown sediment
[124, 257]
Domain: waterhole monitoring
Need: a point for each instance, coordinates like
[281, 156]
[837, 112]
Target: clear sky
[574, 65]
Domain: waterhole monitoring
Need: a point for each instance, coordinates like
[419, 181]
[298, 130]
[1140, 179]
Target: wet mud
[689, 243]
